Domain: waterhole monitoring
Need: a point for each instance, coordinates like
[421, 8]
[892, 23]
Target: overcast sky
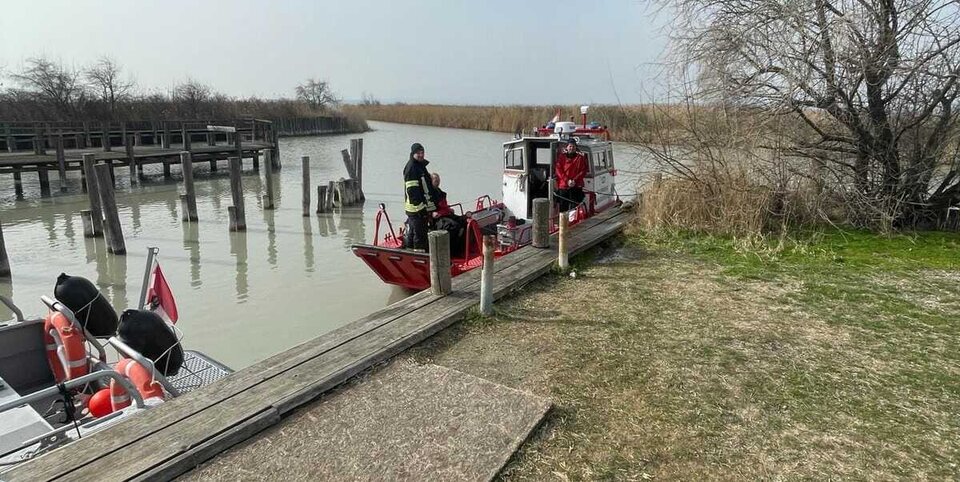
[438, 51]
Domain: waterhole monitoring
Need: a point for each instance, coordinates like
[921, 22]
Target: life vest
[66, 350]
[141, 378]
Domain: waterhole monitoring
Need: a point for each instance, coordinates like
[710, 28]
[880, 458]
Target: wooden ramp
[176, 436]
[403, 422]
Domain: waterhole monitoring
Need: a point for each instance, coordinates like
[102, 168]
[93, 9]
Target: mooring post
[44, 178]
[189, 198]
[39, 143]
[486, 275]
[359, 168]
[321, 198]
[87, 140]
[354, 150]
[268, 174]
[541, 223]
[93, 193]
[256, 160]
[563, 260]
[17, 182]
[238, 220]
[185, 135]
[8, 135]
[331, 192]
[439, 242]
[111, 217]
[86, 217]
[305, 167]
[348, 164]
[166, 135]
[238, 141]
[105, 136]
[61, 163]
[131, 160]
[4, 260]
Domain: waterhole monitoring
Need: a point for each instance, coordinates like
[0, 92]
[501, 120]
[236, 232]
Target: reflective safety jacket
[419, 193]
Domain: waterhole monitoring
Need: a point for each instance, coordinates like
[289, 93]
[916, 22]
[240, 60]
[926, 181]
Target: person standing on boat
[419, 195]
[570, 169]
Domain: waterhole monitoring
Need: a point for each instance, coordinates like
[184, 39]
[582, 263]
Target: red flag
[159, 297]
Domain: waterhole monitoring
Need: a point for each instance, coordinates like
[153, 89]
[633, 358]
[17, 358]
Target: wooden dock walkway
[176, 436]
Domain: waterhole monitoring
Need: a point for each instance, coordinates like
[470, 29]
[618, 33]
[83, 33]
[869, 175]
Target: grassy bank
[692, 357]
[627, 123]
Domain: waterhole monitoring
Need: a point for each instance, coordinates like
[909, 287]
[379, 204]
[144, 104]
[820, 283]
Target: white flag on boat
[159, 296]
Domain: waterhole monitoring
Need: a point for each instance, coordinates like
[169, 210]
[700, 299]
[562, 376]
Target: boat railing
[129, 352]
[381, 215]
[12, 307]
[74, 383]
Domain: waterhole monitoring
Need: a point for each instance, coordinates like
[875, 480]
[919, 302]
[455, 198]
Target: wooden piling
[86, 217]
[111, 217]
[268, 174]
[331, 193]
[256, 161]
[321, 199]
[93, 194]
[358, 163]
[61, 163]
[131, 160]
[4, 260]
[105, 136]
[87, 140]
[11, 142]
[305, 167]
[189, 198]
[541, 223]
[17, 183]
[238, 142]
[238, 220]
[166, 135]
[486, 275]
[563, 260]
[348, 164]
[44, 177]
[439, 242]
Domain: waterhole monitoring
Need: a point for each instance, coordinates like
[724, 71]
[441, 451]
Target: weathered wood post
[44, 178]
[238, 220]
[541, 223]
[86, 217]
[348, 164]
[238, 141]
[189, 198]
[439, 242]
[331, 192]
[8, 135]
[185, 135]
[486, 275]
[4, 260]
[166, 135]
[105, 136]
[131, 160]
[111, 217]
[61, 163]
[93, 194]
[563, 260]
[39, 143]
[354, 150]
[17, 182]
[305, 166]
[268, 174]
[87, 140]
[256, 160]
[321, 199]
[358, 162]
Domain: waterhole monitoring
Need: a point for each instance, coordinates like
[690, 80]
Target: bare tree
[192, 95]
[872, 85]
[105, 78]
[52, 83]
[317, 94]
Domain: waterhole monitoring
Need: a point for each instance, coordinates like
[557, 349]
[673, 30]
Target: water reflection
[307, 245]
[135, 216]
[238, 248]
[269, 216]
[171, 202]
[68, 228]
[49, 220]
[191, 244]
[352, 226]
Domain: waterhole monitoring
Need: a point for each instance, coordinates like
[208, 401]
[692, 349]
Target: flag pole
[151, 255]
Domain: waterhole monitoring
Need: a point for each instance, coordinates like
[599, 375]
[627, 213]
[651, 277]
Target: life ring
[66, 350]
[142, 379]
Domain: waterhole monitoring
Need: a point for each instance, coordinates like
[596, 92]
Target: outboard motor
[92, 310]
[147, 333]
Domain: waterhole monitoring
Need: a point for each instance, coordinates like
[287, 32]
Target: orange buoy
[141, 378]
[99, 404]
[66, 351]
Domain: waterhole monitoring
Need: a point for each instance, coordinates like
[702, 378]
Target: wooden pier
[45, 148]
[176, 436]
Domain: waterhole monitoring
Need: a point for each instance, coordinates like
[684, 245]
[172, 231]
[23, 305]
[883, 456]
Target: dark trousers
[569, 198]
[416, 234]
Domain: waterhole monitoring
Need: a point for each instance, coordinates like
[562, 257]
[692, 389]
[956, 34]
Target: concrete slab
[402, 422]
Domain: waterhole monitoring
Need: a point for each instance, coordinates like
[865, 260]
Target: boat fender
[91, 309]
[147, 333]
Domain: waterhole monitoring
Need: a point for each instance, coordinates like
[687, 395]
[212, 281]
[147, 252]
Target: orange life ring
[142, 379]
[66, 351]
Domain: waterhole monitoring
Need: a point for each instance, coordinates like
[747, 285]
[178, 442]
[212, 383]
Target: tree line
[48, 90]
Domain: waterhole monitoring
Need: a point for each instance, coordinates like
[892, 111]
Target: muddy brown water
[245, 296]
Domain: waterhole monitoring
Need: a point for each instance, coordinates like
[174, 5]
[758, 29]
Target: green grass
[683, 356]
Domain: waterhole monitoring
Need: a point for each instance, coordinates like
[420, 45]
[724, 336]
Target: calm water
[245, 296]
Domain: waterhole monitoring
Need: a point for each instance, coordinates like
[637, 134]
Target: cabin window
[601, 162]
[513, 159]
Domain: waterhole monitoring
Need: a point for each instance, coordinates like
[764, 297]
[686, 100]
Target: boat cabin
[528, 167]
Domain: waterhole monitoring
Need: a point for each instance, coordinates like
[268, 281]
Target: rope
[69, 407]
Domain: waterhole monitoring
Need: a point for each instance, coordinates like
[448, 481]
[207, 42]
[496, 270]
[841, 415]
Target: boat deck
[176, 436]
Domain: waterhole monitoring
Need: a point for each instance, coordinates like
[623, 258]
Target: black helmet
[416, 147]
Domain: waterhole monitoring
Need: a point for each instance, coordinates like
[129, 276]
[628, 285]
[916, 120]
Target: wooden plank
[303, 373]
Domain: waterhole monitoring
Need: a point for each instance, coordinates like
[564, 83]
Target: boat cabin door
[600, 181]
[527, 168]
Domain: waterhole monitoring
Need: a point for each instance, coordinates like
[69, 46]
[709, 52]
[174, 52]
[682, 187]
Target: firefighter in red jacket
[570, 169]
